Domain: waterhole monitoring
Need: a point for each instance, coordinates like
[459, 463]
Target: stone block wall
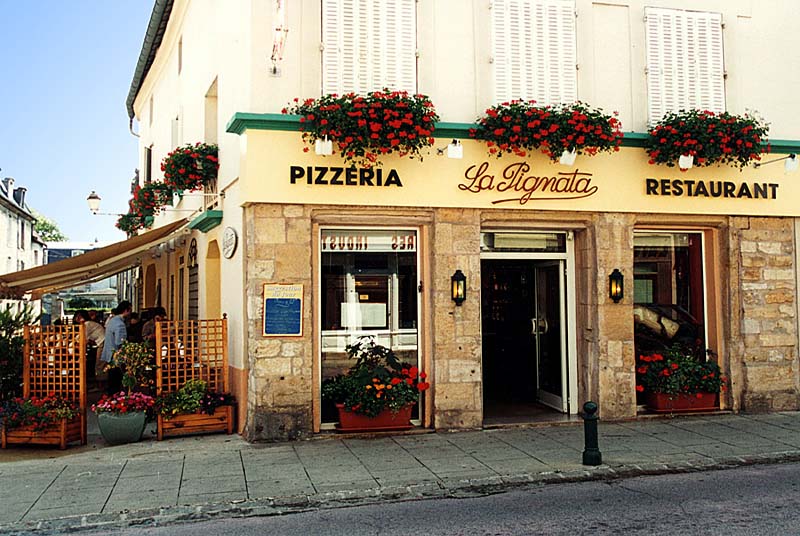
[766, 378]
[614, 330]
[458, 376]
[278, 246]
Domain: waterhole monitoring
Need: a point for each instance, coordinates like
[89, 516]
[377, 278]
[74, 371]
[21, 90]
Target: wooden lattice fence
[193, 350]
[54, 362]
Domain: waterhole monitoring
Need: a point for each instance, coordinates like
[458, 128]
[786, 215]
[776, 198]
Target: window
[534, 51]
[150, 120]
[685, 67]
[369, 45]
[148, 164]
[668, 291]
[180, 55]
[369, 288]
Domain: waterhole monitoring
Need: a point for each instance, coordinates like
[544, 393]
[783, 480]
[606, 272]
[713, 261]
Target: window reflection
[668, 291]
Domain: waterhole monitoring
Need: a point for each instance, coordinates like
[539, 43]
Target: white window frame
[318, 306]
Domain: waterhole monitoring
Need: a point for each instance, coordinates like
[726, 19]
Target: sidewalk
[213, 476]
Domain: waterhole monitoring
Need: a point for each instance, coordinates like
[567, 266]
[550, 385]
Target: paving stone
[150, 483]
[119, 502]
[94, 499]
[137, 468]
[210, 498]
[269, 488]
[197, 486]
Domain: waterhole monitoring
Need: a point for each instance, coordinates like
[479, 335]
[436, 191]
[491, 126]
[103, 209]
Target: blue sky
[65, 70]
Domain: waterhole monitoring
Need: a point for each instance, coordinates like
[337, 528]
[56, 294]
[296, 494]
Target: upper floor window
[685, 64]
[534, 51]
[369, 45]
[148, 165]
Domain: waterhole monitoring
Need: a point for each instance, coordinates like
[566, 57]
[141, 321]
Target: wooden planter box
[59, 434]
[384, 421]
[681, 403]
[195, 423]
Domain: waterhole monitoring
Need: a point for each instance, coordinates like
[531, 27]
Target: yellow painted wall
[618, 182]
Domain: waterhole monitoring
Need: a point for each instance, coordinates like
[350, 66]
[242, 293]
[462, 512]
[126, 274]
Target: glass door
[548, 328]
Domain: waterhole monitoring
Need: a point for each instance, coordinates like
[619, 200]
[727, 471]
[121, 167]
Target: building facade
[538, 333]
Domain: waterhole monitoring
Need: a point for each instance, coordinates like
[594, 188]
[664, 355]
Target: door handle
[539, 326]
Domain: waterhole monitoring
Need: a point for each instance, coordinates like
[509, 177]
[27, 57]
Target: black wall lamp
[458, 287]
[616, 288]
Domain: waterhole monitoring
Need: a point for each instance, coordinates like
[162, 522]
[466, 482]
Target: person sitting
[149, 328]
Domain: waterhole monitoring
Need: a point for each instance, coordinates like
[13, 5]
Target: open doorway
[525, 331]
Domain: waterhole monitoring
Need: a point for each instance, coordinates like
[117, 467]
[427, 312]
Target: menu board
[283, 310]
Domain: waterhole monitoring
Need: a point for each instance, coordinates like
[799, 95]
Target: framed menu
[283, 310]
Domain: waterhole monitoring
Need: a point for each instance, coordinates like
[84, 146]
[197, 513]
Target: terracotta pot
[663, 403]
[386, 420]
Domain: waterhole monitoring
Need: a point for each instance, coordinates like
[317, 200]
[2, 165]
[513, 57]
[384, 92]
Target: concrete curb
[346, 498]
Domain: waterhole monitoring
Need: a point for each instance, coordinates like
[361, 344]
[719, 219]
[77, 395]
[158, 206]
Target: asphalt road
[753, 501]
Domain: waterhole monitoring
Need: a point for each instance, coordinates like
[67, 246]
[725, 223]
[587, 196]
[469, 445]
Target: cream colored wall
[454, 68]
[215, 45]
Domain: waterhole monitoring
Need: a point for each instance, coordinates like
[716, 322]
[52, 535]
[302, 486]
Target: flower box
[386, 420]
[664, 403]
[60, 434]
[195, 423]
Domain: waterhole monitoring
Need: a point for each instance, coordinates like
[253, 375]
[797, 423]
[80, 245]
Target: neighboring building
[724, 268]
[20, 247]
[103, 293]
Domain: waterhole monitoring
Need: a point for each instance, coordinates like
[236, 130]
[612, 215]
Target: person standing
[116, 334]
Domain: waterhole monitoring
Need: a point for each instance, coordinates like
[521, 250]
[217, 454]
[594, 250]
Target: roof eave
[152, 40]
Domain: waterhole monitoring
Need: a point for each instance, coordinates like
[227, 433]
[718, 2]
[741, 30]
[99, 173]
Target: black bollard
[591, 452]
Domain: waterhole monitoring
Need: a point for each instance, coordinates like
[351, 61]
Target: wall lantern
[615, 285]
[458, 287]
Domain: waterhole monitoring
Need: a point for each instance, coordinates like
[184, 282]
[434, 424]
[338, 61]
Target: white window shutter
[685, 62]
[534, 50]
[369, 45]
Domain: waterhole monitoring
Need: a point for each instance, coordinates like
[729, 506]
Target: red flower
[640, 388]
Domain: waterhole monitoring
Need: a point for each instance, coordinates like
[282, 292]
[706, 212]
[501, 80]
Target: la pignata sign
[518, 183]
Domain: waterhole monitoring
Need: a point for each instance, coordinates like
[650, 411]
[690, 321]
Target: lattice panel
[55, 362]
[191, 349]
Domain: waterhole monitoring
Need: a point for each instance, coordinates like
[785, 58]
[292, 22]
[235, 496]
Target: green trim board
[206, 221]
[241, 121]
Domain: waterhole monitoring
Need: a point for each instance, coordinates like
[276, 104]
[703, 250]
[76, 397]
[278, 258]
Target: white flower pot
[323, 147]
[686, 161]
[567, 158]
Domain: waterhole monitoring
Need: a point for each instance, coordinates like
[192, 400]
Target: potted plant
[122, 416]
[367, 127]
[561, 132]
[194, 408]
[678, 381]
[378, 392]
[703, 138]
[40, 420]
[191, 167]
[131, 222]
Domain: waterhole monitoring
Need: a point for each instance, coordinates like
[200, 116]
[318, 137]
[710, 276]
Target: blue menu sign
[283, 310]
